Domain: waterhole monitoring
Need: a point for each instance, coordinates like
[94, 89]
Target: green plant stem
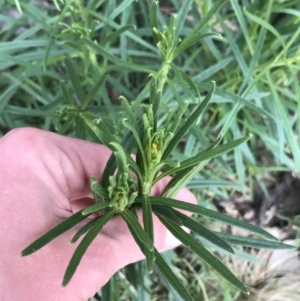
[163, 74]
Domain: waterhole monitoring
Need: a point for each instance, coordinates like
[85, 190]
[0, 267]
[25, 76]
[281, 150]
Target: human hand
[45, 178]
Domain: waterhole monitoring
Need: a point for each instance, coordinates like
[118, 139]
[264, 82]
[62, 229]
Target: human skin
[44, 178]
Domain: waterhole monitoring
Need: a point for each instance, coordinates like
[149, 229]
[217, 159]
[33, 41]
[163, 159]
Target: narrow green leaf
[115, 60]
[7, 95]
[17, 3]
[66, 125]
[84, 229]
[190, 82]
[56, 26]
[128, 143]
[178, 118]
[171, 26]
[155, 99]
[109, 169]
[134, 235]
[268, 26]
[101, 130]
[84, 244]
[167, 121]
[239, 15]
[114, 35]
[76, 82]
[54, 232]
[211, 214]
[204, 232]
[214, 152]
[148, 227]
[198, 249]
[135, 274]
[237, 51]
[128, 110]
[127, 124]
[253, 242]
[204, 156]
[167, 162]
[98, 190]
[182, 16]
[131, 220]
[286, 121]
[120, 158]
[106, 290]
[171, 277]
[94, 90]
[167, 213]
[183, 177]
[154, 20]
[234, 97]
[259, 44]
[17, 110]
[56, 5]
[184, 46]
[189, 123]
[205, 19]
[66, 94]
[182, 82]
[80, 128]
[94, 208]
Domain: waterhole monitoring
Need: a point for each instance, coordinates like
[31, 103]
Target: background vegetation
[254, 59]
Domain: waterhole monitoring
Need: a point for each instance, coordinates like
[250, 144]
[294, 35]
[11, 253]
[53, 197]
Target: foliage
[105, 49]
